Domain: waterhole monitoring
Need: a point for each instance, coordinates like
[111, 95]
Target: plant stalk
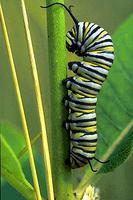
[58, 70]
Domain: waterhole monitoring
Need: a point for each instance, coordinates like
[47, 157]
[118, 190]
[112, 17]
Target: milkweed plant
[52, 177]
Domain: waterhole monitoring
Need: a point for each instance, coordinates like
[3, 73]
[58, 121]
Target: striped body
[94, 44]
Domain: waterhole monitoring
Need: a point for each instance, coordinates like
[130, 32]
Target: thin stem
[58, 70]
[46, 156]
[33, 141]
[21, 108]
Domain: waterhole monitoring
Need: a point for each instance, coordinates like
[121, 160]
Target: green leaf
[12, 172]
[120, 153]
[13, 136]
[114, 108]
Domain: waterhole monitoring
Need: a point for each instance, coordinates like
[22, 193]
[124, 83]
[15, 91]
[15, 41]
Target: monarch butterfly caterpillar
[94, 45]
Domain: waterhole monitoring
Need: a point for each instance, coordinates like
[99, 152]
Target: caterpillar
[92, 43]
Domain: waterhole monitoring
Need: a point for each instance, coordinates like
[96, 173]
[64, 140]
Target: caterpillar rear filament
[94, 45]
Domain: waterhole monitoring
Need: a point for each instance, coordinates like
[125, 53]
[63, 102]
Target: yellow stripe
[104, 66]
[89, 78]
[93, 110]
[109, 48]
[90, 95]
[95, 64]
[69, 41]
[95, 80]
[86, 28]
[73, 31]
[102, 34]
[81, 110]
[92, 128]
[88, 148]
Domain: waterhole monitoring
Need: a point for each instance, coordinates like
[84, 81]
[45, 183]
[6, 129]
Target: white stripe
[104, 44]
[99, 60]
[88, 155]
[88, 137]
[91, 38]
[73, 116]
[80, 31]
[98, 69]
[87, 83]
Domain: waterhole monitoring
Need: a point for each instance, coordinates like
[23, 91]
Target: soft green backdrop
[109, 14]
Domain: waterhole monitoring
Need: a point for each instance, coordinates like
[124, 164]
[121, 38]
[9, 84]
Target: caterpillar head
[75, 39]
[71, 43]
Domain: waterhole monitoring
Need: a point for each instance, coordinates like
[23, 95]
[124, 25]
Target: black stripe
[85, 86]
[81, 109]
[89, 69]
[80, 102]
[71, 33]
[74, 30]
[85, 126]
[90, 77]
[95, 79]
[81, 121]
[96, 62]
[90, 27]
[94, 30]
[87, 140]
[88, 32]
[75, 162]
[91, 35]
[83, 31]
[97, 43]
[84, 150]
[100, 48]
[85, 145]
[82, 156]
[100, 57]
[84, 132]
[100, 42]
[95, 71]
[77, 158]
[94, 133]
[96, 37]
[77, 27]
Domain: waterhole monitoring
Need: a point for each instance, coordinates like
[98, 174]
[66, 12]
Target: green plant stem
[58, 68]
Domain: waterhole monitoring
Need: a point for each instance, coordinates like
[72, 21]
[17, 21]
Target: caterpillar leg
[94, 170]
[67, 162]
[106, 161]
[74, 66]
[82, 86]
[97, 161]
[66, 101]
[66, 81]
[66, 124]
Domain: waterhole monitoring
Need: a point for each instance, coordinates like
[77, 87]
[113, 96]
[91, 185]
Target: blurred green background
[109, 15]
